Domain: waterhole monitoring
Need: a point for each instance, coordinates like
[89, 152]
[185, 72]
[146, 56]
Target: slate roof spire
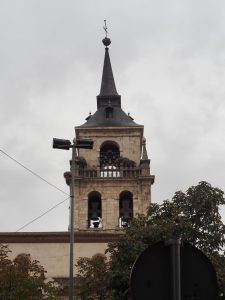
[108, 87]
[108, 92]
[109, 111]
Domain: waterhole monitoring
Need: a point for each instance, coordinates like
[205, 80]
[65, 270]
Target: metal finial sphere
[106, 41]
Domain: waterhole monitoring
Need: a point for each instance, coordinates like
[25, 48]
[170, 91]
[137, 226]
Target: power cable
[43, 214]
[32, 172]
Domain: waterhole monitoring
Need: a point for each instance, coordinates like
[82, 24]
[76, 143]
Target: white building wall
[54, 257]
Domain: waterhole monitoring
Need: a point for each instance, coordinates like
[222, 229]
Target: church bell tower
[112, 181]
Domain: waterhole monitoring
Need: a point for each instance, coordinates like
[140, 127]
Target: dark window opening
[125, 209]
[94, 210]
[109, 112]
[109, 154]
[109, 159]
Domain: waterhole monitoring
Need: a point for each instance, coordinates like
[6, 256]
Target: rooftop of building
[109, 111]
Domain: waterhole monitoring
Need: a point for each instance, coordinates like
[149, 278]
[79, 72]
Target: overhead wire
[32, 172]
[43, 214]
[41, 178]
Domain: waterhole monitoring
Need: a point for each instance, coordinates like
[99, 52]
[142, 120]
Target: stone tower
[113, 180]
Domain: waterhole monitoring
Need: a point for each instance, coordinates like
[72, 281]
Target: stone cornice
[59, 237]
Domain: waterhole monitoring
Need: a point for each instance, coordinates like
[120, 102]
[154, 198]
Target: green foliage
[194, 216]
[24, 279]
[93, 278]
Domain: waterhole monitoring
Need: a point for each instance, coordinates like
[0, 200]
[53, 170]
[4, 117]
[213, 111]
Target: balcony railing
[85, 172]
[109, 172]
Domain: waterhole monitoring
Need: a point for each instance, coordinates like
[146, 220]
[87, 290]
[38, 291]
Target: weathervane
[106, 41]
[106, 29]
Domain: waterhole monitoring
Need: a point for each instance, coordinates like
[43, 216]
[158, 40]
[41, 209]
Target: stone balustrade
[109, 171]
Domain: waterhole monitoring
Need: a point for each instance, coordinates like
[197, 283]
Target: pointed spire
[144, 150]
[109, 112]
[108, 90]
[108, 87]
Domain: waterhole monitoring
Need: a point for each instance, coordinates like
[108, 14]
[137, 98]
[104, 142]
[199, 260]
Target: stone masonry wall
[129, 140]
[110, 190]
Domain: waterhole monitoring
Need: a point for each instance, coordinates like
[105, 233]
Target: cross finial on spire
[106, 41]
[106, 29]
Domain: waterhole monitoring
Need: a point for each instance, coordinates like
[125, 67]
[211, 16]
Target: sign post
[173, 271]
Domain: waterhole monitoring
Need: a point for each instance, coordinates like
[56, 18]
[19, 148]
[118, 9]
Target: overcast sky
[168, 59]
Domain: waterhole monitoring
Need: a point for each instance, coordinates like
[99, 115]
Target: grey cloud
[168, 63]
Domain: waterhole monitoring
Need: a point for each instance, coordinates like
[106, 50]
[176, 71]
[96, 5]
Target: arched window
[109, 112]
[125, 209]
[94, 210]
[109, 159]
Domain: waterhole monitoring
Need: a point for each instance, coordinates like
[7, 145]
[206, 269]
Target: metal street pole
[72, 223]
[66, 145]
[174, 244]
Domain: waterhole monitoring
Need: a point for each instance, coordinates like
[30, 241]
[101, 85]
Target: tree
[92, 278]
[23, 278]
[194, 216]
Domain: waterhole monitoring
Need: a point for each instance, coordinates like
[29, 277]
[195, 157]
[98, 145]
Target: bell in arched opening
[94, 210]
[109, 159]
[125, 209]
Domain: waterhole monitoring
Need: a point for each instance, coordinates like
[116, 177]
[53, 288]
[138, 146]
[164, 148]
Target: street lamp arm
[66, 145]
